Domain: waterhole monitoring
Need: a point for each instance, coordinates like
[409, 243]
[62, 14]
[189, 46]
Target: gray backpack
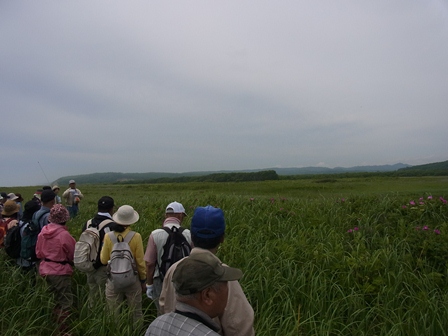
[121, 268]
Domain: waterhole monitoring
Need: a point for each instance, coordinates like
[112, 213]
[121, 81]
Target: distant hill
[114, 177]
[436, 169]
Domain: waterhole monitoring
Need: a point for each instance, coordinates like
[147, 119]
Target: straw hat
[125, 215]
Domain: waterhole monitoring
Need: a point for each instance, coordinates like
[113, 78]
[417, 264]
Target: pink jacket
[55, 247]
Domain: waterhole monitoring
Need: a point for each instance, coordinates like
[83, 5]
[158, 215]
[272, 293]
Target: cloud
[99, 86]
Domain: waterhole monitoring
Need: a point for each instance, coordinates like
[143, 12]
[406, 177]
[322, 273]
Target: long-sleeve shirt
[136, 246]
[70, 194]
[56, 247]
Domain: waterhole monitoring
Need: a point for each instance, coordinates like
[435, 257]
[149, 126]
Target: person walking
[96, 280]
[174, 215]
[55, 248]
[207, 232]
[201, 285]
[10, 218]
[124, 218]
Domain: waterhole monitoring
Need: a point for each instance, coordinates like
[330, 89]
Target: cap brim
[231, 274]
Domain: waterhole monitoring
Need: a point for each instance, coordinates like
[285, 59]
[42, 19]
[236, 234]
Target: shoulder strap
[167, 230]
[89, 222]
[36, 219]
[129, 236]
[113, 237]
[104, 223]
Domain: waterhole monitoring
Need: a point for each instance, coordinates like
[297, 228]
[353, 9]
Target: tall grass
[336, 258]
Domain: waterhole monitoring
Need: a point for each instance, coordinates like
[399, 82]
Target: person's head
[125, 216]
[12, 197]
[106, 204]
[72, 184]
[46, 188]
[10, 209]
[19, 197]
[3, 197]
[208, 227]
[56, 189]
[58, 215]
[29, 209]
[48, 198]
[200, 280]
[175, 209]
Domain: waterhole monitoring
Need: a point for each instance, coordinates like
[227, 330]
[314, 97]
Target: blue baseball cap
[208, 222]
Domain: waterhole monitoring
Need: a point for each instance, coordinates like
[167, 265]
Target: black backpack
[13, 241]
[175, 248]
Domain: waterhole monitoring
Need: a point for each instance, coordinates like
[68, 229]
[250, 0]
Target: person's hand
[149, 291]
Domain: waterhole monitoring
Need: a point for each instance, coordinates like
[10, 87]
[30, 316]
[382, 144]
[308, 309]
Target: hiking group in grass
[193, 291]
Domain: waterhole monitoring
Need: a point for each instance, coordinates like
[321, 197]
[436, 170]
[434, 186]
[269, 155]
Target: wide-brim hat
[19, 197]
[10, 208]
[12, 196]
[200, 271]
[125, 215]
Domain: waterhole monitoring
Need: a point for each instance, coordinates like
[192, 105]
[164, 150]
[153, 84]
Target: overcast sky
[178, 86]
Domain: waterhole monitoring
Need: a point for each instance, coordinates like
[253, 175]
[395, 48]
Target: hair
[30, 208]
[120, 228]
[206, 243]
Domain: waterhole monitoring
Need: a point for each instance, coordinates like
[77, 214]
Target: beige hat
[125, 215]
[12, 196]
[55, 187]
[10, 208]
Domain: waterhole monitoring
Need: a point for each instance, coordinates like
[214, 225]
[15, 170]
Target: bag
[121, 268]
[29, 239]
[175, 248]
[13, 241]
[88, 247]
[4, 222]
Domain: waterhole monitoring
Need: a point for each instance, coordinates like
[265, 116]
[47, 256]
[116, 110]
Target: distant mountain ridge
[115, 177]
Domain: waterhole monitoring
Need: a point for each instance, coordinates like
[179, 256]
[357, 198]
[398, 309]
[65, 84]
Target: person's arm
[167, 298]
[106, 249]
[66, 193]
[80, 195]
[39, 247]
[150, 259]
[238, 317]
[138, 255]
[69, 247]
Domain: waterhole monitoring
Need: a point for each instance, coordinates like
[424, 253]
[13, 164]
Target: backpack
[13, 241]
[88, 247]
[4, 223]
[29, 239]
[121, 268]
[176, 247]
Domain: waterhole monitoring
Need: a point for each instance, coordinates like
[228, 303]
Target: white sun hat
[125, 215]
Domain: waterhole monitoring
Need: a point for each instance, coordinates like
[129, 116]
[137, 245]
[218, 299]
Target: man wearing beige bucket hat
[124, 217]
[10, 217]
[201, 284]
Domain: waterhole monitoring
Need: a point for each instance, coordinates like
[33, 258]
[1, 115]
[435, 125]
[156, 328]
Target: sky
[181, 86]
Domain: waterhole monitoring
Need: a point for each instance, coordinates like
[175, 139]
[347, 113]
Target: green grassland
[336, 256]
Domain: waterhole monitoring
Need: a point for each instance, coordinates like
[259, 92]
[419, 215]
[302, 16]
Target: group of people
[198, 295]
